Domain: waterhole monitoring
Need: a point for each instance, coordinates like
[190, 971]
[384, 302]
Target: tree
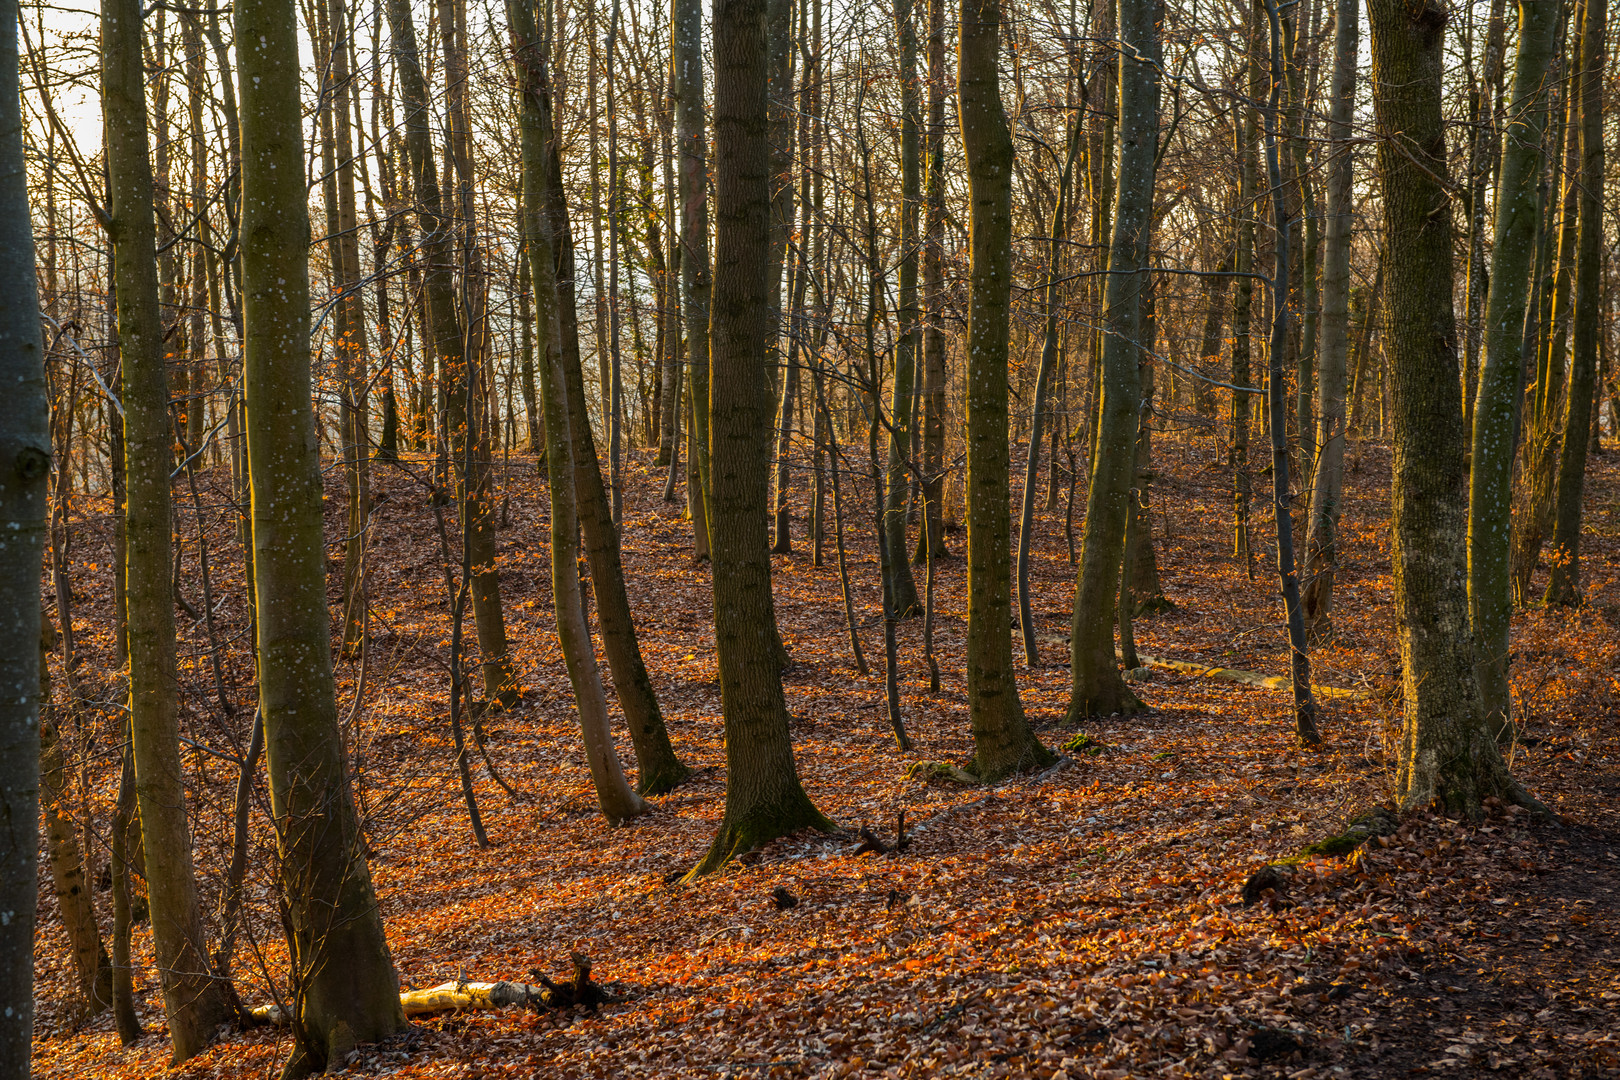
[1002, 740]
[1448, 752]
[764, 798]
[1322, 531]
[902, 586]
[1096, 688]
[931, 541]
[195, 1002]
[613, 793]
[1563, 584]
[691, 138]
[1518, 209]
[25, 465]
[345, 991]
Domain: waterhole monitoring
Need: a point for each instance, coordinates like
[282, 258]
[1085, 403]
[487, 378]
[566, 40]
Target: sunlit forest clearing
[779, 538]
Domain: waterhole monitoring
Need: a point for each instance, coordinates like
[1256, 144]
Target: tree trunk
[73, 897]
[931, 542]
[1002, 740]
[764, 798]
[903, 599]
[1243, 309]
[343, 978]
[1448, 753]
[196, 1004]
[1096, 688]
[1327, 488]
[691, 137]
[25, 445]
[540, 174]
[1563, 584]
[1518, 209]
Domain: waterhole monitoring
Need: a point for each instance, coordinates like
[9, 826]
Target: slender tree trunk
[764, 798]
[1096, 687]
[25, 445]
[1563, 584]
[1448, 753]
[903, 597]
[74, 901]
[931, 542]
[1209, 352]
[691, 137]
[344, 982]
[1327, 489]
[195, 1002]
[617, 800]
[1002, 740]
[1043, 381]
[1299, 659]
[1243, 310]
[1518, 210]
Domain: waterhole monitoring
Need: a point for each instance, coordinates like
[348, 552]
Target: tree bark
[1003, 742]
[344, 984]
[195, 1002]
[1518, 209]
[931, 541]
[1448, 753]
[691, 137]
[903, 599]
[1327, 488]
[25, 451]
[764, 798]
[613, 793]
[1096, 688]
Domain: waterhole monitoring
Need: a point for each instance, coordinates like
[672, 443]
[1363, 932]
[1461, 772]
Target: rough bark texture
[1563, 584]
[1002, 740]
[1448, 753]
[931, 541]
[1490, 499]
[764, 798]
[25, 459]
[345, 988]
[613, 793]
[1096, 688]
[903, 597]
[195, 1003]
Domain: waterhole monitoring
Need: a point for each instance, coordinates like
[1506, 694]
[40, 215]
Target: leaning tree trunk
[1448, 753]
[25, 447]
[764, 798]
[1327, 489]
[344, 982]
[195, 1002]
[1096, 688]
[1513, 251]
[613, 793]
[1563, 583]
[1002, 740]
[658, 768]
[691, 137]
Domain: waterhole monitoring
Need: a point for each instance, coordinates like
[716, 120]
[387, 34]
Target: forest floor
[1082, 922]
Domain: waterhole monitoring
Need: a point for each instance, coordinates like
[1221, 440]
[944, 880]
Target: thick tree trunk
[343, 976]
[1518, 210]
[1002, 740]
[1327, 489]
[692, 141]
[613, 793]
[1448, 753]
[1096, 688]
[764, 798]
[25, 450]
[196, 1004]
[1563, 584]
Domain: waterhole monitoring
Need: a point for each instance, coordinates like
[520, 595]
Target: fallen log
[1244, 678]
[464, 996]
